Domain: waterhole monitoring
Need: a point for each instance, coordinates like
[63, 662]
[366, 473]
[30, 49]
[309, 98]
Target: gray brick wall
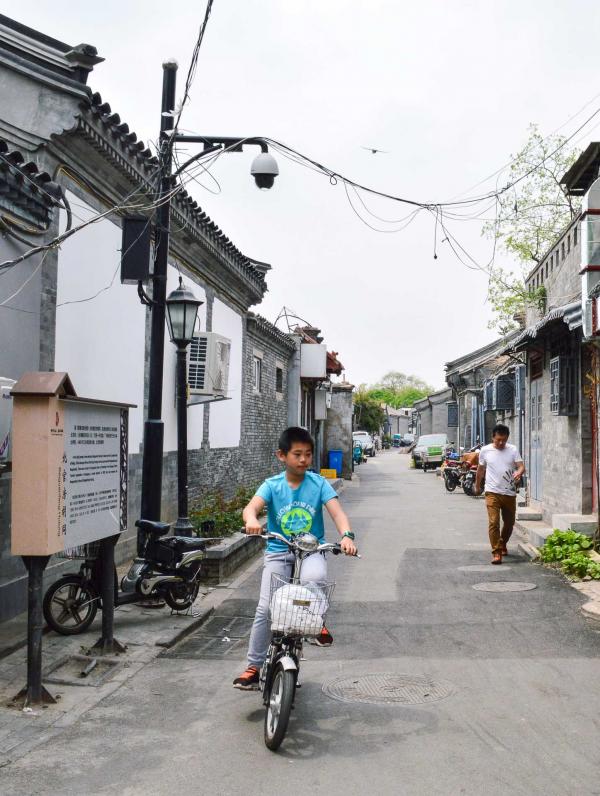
[264, 416]
[338, 428]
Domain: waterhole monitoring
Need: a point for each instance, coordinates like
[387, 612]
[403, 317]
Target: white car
[366, 441]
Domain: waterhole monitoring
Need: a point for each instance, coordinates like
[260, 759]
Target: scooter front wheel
[279, 707]
[70, 605]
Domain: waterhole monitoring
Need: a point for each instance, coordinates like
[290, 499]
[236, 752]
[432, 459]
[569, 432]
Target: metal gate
[535, 439]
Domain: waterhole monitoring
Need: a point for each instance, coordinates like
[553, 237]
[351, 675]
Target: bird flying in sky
[374, 151]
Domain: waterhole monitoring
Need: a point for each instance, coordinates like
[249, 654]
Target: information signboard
[69, 467]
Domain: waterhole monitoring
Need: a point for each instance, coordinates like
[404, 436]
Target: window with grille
[257, 374]
[554, 374]
[278, 379]
[564, 385]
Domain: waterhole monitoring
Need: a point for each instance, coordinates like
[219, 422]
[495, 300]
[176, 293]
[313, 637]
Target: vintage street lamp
[182, 311]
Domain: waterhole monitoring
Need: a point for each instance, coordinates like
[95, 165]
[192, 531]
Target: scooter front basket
[298, 609]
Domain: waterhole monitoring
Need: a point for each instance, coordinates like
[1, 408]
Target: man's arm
[520, 471]
[250, 515]
[342, 523]
[479, 478]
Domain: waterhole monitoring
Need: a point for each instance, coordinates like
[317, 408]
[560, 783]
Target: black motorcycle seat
[152, 527]
[191, 542]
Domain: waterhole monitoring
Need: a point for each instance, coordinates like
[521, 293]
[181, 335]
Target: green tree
[368, 414]
[399, 390]
[529, 217]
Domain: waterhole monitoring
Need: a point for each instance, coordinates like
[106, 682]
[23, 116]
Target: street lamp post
[182, 310]
[264, 170]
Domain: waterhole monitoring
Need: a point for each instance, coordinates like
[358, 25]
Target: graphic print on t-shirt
[295, 518]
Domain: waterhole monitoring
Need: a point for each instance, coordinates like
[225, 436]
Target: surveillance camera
[264, 170]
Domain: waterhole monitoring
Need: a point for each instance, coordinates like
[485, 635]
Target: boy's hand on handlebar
[253, 527]
[348, 547]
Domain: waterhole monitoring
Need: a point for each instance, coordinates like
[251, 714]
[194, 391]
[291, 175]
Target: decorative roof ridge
[269, 328]
[29, 194]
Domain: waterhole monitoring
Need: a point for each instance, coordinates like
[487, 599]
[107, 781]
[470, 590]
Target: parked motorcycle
[169, 568]
[451, 470]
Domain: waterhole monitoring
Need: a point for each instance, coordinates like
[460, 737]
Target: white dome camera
[264, 169]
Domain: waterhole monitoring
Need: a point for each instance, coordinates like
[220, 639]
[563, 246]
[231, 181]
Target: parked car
[424, 443]
[366, 440]
[407, 440]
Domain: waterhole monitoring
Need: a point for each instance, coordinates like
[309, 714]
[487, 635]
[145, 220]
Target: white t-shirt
[499, 468]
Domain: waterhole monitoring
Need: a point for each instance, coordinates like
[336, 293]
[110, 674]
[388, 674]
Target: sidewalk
[146, 632]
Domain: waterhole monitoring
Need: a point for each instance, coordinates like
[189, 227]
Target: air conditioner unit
[208, 364]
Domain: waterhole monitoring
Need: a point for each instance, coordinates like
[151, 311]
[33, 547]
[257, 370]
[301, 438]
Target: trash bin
[335, 458]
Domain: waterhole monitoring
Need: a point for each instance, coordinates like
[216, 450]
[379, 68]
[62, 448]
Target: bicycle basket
[85, 551]
[298, 609]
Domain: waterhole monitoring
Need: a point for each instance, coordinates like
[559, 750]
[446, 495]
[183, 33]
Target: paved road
[517, 673]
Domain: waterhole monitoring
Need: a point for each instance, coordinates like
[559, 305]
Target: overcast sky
[448, 88]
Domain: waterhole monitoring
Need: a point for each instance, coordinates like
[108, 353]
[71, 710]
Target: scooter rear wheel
[279, 707]
[70, 605]
[180, 597]
[450, 482]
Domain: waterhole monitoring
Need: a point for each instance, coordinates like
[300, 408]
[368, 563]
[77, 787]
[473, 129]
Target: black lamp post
[264, 170]
[182, 310]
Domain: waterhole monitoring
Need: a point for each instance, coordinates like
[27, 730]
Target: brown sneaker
[504, 550]
[497, 558]
[248, 681]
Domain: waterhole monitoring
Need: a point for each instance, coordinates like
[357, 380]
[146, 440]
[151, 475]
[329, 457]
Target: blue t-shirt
[291, 511]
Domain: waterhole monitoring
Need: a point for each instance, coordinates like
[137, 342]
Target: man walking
[502, 466]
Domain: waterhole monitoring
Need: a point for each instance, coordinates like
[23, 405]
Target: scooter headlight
[307, 542]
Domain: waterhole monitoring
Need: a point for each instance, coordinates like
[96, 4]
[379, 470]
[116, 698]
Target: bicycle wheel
[70, 605]
[279, 707]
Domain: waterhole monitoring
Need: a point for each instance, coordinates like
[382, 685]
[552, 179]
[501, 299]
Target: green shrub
[562, 544]
[225, 513]
[570, 551]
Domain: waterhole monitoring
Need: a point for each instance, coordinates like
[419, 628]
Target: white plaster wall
[169, 413]
[226, 416]
[99, 337]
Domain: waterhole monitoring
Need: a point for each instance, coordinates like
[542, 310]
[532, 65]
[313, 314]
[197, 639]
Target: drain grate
[483, 568]
[504, 585]
[388, 689]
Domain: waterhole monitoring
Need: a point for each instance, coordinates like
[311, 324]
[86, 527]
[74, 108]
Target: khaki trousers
[504, 506]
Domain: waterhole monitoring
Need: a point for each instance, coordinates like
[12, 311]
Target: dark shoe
[248, 681]
[324, 639]
[504, 550]
[497, 558]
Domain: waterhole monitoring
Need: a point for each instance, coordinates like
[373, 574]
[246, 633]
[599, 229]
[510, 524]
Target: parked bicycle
[169, 568]
[297, 613]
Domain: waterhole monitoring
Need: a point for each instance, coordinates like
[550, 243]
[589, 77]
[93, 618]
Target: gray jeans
[314, 569]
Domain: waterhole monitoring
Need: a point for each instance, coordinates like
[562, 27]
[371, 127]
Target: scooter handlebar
[327, 547]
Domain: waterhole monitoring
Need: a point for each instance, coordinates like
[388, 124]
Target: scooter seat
[152, 527]
[191, 542]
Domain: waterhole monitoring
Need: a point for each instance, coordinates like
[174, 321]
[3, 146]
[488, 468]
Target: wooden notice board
[69, 482]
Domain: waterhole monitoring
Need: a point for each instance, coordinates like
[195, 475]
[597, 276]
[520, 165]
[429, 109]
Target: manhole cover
[504, 585]
[386, 689]
[483, 568]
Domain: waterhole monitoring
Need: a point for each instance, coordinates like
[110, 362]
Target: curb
[591, 610]
[168, 641]
[529, 550]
